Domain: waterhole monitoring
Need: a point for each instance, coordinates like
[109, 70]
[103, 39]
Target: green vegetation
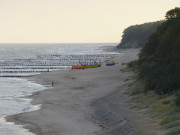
[159, 107]
[136, 36]
[177, 100]
[157, 74]
[159, 60]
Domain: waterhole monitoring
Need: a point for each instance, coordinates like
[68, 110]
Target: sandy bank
[85, 102]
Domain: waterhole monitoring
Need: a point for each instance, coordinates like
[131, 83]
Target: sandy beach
[86, 102]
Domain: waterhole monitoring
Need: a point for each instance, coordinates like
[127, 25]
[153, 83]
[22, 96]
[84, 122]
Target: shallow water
[12, 102]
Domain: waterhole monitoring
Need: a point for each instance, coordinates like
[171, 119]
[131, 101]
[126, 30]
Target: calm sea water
[12, 90]
[19, 51]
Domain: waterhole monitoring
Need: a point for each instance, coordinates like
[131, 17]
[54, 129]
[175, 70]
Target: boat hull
[80, 67]
[86, 66]
[110, 64]
[124, 63]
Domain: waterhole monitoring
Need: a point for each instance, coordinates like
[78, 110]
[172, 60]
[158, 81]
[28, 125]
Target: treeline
[159, 60]
[136, 36]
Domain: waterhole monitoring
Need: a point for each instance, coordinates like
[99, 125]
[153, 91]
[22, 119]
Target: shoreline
[84, 102]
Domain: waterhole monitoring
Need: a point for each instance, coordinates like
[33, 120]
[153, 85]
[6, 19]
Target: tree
[159, 59]
[173, 14]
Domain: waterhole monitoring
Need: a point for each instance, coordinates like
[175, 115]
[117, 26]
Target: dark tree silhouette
[159, 59]
[173, 14]
[136, 36]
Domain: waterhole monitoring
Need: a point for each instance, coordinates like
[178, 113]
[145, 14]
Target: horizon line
[67, 43]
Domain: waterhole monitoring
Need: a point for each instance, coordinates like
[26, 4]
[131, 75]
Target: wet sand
[86, 102]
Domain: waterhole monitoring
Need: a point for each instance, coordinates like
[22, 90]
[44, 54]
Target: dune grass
[161, 108]
[175, 131]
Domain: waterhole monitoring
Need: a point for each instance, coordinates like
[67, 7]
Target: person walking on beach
[52, 84]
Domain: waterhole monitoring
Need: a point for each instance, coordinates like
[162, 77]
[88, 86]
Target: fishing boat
[80, 67]
[124, 63]
[94, 66]
[110, 63]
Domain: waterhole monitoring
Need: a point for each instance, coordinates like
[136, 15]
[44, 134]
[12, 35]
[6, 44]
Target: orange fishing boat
[80, 67]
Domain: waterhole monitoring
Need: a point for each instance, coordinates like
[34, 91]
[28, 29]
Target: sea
[14, 89]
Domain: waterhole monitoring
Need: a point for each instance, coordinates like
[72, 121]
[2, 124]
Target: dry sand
[86, 102]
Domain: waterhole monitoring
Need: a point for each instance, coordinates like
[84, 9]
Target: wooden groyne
[33, 67]
[23, 71]
[48, 63]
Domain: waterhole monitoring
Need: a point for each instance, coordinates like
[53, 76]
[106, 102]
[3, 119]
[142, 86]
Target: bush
[177, 100]
[174, 132]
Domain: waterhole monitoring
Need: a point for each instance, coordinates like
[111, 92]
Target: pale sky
[75, 21]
